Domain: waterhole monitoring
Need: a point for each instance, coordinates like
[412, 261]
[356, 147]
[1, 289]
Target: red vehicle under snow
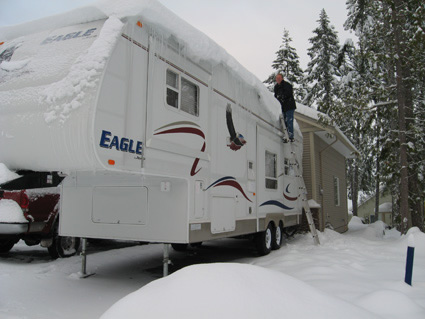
[35, 216]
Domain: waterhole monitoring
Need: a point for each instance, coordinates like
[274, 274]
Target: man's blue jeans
[288, 116]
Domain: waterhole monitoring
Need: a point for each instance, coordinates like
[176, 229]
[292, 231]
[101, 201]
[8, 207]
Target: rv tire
[63, 246]
[263, 240]
[277, 237]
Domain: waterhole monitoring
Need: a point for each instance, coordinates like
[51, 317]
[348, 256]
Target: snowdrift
[231, 291]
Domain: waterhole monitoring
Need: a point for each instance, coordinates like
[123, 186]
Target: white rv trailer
[154, 143]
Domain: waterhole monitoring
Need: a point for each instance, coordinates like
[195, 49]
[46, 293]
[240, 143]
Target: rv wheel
[263, 241]
[277, 237]
[63, 247]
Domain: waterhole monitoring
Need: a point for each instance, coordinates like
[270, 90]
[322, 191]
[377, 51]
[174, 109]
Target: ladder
[302, 187]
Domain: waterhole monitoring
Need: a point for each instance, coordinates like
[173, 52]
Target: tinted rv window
[172, 79]
[172, 89]
[271, 171]
[189, 97]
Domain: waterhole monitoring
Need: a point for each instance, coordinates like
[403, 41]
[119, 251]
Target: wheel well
[274, 219]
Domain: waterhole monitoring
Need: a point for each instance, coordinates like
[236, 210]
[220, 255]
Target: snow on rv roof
[200, 46]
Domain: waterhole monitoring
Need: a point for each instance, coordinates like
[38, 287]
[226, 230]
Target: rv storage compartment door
[223, 214]
[120, 205]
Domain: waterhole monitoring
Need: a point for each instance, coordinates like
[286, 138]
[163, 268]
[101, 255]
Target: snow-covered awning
[331, 135]
[385, 207]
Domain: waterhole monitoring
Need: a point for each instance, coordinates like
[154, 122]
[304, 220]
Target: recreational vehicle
[157, 133]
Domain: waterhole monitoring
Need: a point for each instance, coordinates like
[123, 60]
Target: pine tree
[322, 72]
[393, 32]
[352, 118]
[287, 63]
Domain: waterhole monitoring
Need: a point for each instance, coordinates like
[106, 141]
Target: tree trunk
[415, 198]
[355, 187]
[406, 220]
[377, 178]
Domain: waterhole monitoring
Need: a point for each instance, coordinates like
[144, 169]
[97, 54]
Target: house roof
[331, 135]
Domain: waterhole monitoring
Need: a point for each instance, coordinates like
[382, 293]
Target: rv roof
[200, 47]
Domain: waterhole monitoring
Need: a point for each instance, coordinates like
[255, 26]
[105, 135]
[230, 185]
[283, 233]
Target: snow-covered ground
[358, 274]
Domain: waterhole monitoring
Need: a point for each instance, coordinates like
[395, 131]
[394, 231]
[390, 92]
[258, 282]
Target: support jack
[83, 273]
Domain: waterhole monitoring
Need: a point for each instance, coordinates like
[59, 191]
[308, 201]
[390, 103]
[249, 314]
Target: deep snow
[361, 271]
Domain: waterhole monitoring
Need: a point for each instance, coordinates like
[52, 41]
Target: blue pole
[409, 261]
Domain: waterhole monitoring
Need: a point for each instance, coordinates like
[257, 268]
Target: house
[324, 169]
[366, 209]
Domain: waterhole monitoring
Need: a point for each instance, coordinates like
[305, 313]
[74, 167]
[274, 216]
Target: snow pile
[372, 231]
[364, 270]
[365, 273]
[83, 74]
[6, 175]
[386, 303]
[356, 223]
[10, 212]
[231, 291]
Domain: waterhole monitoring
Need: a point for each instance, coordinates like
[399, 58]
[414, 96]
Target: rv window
[336, 191]
[172, 79]
[271, 171]
[189, 97]
[172, 98]
[182, 94]
[172, 89]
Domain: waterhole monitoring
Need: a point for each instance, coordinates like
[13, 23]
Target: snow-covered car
[29, 210]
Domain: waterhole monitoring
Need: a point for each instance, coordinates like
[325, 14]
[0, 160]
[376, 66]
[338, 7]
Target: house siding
[331, 164]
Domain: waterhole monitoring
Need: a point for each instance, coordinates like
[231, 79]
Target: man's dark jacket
[285, 95]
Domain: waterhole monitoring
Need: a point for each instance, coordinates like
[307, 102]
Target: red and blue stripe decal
[279, 204]
[276, 203]
[292, 199]
[188, 130]
[229, 181]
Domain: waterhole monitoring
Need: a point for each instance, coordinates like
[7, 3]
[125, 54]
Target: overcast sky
[250, 30]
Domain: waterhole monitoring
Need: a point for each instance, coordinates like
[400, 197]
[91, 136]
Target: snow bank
[356, 223]
[374, 231]
[6, 175]
[386, 303]
[10, 212]
[231, 291]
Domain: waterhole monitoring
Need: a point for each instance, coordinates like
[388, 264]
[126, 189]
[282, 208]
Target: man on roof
[284, 93]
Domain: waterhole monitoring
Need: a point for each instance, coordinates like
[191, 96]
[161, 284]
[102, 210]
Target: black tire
[6, 245]
[277, 237]
[64, 247]
[196, 245]
[263, 241]
[179, 247]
